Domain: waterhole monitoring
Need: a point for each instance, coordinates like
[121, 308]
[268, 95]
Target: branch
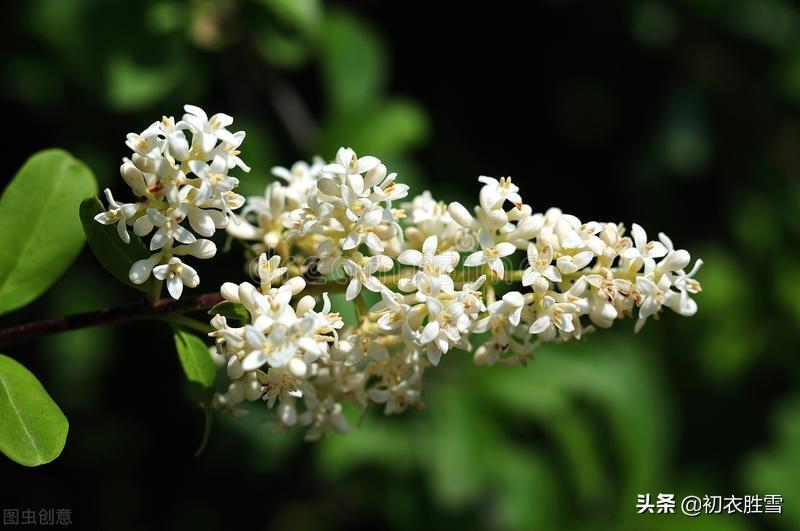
[134, 312]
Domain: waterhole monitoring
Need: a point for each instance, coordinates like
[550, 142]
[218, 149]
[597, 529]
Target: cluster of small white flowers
[176, 180]
[434, 273]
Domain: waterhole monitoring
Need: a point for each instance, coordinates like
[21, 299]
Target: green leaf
[195, 359]
[132, 85]
[33, 429]
[353, 62]
[774, 469]
[305, 15]
[40, 235]
[112, 253]
[230, 310]
[201, 372]
[390, 127]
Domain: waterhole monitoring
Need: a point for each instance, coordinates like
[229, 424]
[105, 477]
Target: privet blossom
[183, 194]
[432, 273]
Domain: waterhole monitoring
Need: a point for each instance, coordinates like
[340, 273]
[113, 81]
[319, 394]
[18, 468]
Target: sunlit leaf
[301, 14]
[353, 62]
[132, 85]
[40, 231]
[389, 128]
[33, 430]
[195, 359]
[201, 372]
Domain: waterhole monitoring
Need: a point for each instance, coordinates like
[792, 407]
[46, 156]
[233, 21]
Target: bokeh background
[683, 116]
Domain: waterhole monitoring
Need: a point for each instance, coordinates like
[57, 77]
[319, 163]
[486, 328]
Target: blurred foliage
[689, 109]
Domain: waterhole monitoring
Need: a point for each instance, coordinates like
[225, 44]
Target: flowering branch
[436, 268]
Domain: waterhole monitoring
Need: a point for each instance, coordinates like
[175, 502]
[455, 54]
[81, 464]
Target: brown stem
[132, 312]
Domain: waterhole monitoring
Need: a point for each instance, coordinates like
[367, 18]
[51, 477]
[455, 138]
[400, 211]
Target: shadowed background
[681, 116]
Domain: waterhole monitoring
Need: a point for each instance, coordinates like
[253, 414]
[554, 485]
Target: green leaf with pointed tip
[33, 430]
[201, 372]
[230, 310]
[40, 235]
[195, 359]
[113, 254]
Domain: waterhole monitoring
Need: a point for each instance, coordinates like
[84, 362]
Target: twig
[134, 312]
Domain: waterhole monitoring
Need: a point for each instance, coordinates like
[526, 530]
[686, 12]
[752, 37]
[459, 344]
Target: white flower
[215, 181]
[362, 276]
[393, 311]
[686, 284]
[490, 253]
[208, 130]
[652, 295]
[504, 316]
[149, 143]
[309, 219]
[445, 327]
[569, 264]
[118, 213]
[555, 315]
[540, 271]
[280, 346]
[177, 274]
[347, 163]
[495, 192]
[364, 231]
[269, 270]
[389, 189]
[471, 298]
[169, 228]
[427, 260]
[229, 150]
[643, 251]
[156, 173]
[355, 348]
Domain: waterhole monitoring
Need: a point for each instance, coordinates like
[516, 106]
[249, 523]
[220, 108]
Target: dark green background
[682, 116]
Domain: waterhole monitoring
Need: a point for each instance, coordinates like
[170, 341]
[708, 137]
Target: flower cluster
[176, 180]
[424, 278]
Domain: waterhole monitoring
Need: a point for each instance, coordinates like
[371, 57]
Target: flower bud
[230, 292]
[516, 214]
[297, 367]
[236, 391]
[675, 261]
[247, 295]
[253, 390]
[277, 197]
[497, 218]
[460, 214]
[304, 305]
[328, 186]
[528, 227]
[296, 284]
[485, 356]
[287, 413]
[234, 368]
[540, 285]
[203, 249]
